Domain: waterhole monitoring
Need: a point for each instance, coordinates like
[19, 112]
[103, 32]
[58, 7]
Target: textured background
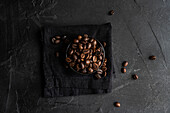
[140, 28]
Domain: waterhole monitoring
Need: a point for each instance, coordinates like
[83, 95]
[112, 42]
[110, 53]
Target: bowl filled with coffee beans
[85, 55]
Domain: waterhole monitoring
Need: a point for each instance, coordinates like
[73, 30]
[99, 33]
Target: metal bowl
[98, 45]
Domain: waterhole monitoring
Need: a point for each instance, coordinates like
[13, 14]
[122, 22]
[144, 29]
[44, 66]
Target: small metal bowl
[98, 45]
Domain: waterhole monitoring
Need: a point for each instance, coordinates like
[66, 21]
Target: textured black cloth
[60, 81]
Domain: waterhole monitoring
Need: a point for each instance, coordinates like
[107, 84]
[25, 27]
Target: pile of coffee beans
[86, 55]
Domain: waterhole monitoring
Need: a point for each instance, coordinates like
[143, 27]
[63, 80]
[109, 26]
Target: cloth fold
[61, 81]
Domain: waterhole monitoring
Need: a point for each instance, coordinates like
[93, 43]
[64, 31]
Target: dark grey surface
[140, 28]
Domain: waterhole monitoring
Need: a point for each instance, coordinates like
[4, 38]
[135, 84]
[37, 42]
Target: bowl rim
[99, 66]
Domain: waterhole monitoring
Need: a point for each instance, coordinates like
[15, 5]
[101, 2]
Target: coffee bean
[77, 67]
[99, 62]
[91, 65]
[82, 59]
[92, 40]
[79, 37]
[90, 70]
[57, 54]
[95, 42]
[57, 37]
[87, 62]
[98, 50]
[94, 59]
[76, 41]
[68, 59]
[100, 57]
[74, 46]
[111, 12]
[105, 60]
[98, 76]
[78, 60]
[123, 70]
[53, 40]
[135, 76]
[86, 51]
[85, 35]
[78, 53]
[104, 44]
[71, 52]
[82, 65]
[86, 39]
[117, 104]
[74, 57]
[85, 47]
[105, 74]
[80, 46]
[95, 66]
[104, 64]
[57, 41]
[152, 57]
[104, 68]
[82, 55]
[99, 71]
[84, 71]
[72, 64]
[125, 63]
[89, 45]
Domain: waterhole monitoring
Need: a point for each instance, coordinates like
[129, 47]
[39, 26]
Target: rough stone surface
[140, 29]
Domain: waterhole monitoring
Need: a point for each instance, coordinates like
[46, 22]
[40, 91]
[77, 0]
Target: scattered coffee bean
[117, 104]
[68, 59]
[76, 41]
[82, 55]
[105, 74]
[123, 70]
[72, 64]
[87, 62]
[85, 35]
[100, 57]
[74, 46]
[89, 45]
[74, 57]
[71, 52]
[111, 12]
[99, 71]
[104, 44]
[104, 64]
[90, 70]
[79, 37]
[57, 37]
[94, 59]
[99, 62]
[82, 65]
[84, 71]
[57, 54]
[98, 76]
[95, 66]
[125, 63]
[105, 60]
[135, 76]
[152, 57]
[53, 40]
[104, 68]
[78, 60]
[57, 41]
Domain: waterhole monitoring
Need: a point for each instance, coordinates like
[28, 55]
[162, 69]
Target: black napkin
[61, 81]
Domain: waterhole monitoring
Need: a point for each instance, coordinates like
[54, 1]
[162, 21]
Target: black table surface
[140, 28]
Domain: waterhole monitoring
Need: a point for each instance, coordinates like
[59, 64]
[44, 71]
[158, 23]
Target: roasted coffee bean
[80, 46]
[78, 53]
[77, 67]
[85, 35]
[85, 47]
[86, 51]
[98, 50]
[105, 60]
[100, 57]
[135, 76]
[117, 104]
[99, 62]
[88, 56]
[82, 55]
[89, 45]
[152, 57]
[90, 70]
[99, 71]
[78, 60]
[68, 59]
[71, 52]
[57, 41]
[76, 41]
[94, 59]
[104, 44]
[104, 64]
[104, 68]
[125, 63]
[74, 46]
[57, 54]
[58, 37]
[53, 40]
[94, 42]
[72, 64]
[95, 66]
[84, 71]
[123, 70]
[105, 74]
[82, 65]
[82, 59]
[79, 37]
[87, 62]
[74, 57]
[98, 76]
[86, 39]
[111, 12]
